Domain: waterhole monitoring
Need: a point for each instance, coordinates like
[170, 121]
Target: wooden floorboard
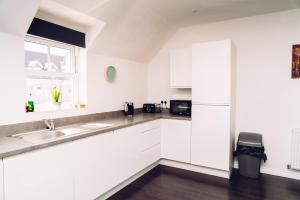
[166, 183]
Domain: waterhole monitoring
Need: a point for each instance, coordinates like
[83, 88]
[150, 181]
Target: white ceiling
[136, 29]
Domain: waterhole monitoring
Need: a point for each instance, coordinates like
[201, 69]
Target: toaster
[151, 108]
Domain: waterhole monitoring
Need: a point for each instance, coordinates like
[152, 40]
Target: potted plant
[56, 94]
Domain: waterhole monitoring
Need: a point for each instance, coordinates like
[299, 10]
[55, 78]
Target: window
[51, 74]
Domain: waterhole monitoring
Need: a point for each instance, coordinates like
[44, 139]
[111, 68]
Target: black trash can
[250, 151]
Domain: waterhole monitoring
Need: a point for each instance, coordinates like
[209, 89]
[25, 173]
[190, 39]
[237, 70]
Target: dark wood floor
[165, 183]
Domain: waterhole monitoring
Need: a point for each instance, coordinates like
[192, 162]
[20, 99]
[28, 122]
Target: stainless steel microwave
[181, 107]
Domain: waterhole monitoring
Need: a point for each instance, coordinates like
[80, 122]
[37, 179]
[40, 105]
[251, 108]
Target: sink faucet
[50, 124]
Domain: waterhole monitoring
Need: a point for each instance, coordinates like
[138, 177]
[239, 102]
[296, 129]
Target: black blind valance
[56, 32]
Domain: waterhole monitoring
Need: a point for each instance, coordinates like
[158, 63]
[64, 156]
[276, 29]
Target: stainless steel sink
[38, 136]
[46, 134]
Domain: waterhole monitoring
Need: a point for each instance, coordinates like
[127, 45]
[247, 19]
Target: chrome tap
[50, 124]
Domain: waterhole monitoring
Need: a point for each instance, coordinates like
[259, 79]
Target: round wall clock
[110, 74]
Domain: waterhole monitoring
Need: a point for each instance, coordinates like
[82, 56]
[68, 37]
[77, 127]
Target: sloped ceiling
[136, 29]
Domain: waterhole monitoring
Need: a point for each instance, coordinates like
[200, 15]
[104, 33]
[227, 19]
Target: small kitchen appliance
[181, 107]
[128, 109]
[152, 108]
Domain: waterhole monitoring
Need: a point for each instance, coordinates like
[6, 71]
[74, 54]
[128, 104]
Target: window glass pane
[40, 91]
[65, 86]
[60, 60]
[35, 56]
[50, 91]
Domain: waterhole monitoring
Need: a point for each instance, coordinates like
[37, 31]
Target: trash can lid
[250, 139]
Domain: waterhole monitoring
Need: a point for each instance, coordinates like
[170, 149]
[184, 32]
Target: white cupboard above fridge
[211, 72]
[181, 68]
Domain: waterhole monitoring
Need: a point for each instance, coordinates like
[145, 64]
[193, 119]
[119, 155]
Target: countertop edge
[85, 135]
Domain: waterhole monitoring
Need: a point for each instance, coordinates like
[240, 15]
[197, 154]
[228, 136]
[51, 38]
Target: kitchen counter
[10, 146]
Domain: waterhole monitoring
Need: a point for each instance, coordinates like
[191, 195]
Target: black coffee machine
[128, 109]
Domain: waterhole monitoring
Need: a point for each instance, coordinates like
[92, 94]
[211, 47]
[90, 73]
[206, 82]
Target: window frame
[51, 75]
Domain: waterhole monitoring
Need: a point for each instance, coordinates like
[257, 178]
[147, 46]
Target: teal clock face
[111, 74]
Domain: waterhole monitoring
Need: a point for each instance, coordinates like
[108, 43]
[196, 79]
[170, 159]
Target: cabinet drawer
[150, 155]
[150, 138]
[148, 126]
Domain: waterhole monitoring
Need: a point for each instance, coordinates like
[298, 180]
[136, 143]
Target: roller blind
[56, 32]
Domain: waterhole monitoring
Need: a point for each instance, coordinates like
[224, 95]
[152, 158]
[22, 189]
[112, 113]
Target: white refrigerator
[211, 104]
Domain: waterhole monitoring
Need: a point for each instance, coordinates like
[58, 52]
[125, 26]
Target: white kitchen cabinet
[139, 147]
[96, 166]
[84, 169]
[44, 174]
[213, 82]
[150, 156]
[127, 146]
[211, 137]
[111, 158]
[1, 180]
[176, 140]
[150, 147]
[181, 68]
[149, 138]
[211, 66]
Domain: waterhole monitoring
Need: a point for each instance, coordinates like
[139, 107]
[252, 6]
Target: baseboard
[175, 164]
[127, 182]
[194, 168]
[292, 174]
[198, 169]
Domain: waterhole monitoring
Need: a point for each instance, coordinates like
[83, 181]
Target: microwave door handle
[183, 107]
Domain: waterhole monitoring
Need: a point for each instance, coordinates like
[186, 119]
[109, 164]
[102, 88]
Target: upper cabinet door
[211, 66]
[181, 68]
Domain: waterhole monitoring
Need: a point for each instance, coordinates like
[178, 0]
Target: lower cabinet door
[176, 140]
[95, 170]
[107, 160]
[1, 181]
[211, 137]
[43, 174]
[127, 146]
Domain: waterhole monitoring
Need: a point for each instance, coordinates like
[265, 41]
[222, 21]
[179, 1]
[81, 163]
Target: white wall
[267, 98]
[12, 78]
[159, 79]
[16, 15]
[130, 84]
